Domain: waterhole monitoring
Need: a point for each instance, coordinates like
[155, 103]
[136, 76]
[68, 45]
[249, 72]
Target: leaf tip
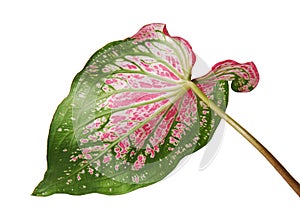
[244, 76]
[40, 190]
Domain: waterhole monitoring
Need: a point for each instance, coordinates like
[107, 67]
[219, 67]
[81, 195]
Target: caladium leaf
[131, 117]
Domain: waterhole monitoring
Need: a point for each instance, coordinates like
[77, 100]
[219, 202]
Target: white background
[45, 43]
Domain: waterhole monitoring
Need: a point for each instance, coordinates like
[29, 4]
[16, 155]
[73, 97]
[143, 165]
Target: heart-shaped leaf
[131, 115]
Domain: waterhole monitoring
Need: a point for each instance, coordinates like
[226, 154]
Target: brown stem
[272, 160]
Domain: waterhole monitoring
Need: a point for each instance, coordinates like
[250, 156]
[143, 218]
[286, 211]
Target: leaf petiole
[272, 160]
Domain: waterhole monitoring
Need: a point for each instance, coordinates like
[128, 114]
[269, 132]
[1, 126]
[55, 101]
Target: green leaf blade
[129, 118]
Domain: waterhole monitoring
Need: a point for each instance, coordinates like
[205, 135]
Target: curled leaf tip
[244, 76]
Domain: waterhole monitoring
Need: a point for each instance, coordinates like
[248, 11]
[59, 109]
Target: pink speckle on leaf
[86, 150]
[92, 138]
[114, 119]
[88, 156]
[177, 133]
[152, 150]
[107, 158]
[132, 153]
[170, 148]
[139, 163]
[98, 163]
[121, 150]
[131, 67]
[74, 159]
[108, 136]
[110, 81]
[84, 141]
[91, 171]
[135, 179]
[173, 141]
[167, 73]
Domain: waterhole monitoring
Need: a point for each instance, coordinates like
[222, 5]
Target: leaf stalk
[263, 150]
